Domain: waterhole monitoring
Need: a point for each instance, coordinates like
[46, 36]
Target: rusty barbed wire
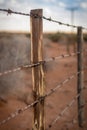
[40, 62]
[21, 110]
[9, 11]
[20, 68]
[71, 123]
[64, 110]
[17, 112]
[75, 119]
[61, 56]
[62, 83]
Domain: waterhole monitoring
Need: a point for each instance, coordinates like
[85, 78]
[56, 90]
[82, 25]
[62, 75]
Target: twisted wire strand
[75, 120]
[66, 108]
[9, 11]
[13, 115]
[17, 112]
[61, 56]
[64, 111]
[20, 68]
[21, 110]
[40, 62]
[62, 83]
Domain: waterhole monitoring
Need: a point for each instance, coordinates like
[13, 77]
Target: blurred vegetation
[85, 37]
[27, 35]
[56, 37]
[10, 34]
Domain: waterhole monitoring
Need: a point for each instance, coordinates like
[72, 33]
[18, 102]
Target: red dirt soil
[55, 72]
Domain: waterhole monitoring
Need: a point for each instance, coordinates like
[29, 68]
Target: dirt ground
[20, 92]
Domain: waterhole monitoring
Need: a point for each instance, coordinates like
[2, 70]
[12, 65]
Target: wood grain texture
[80, 81]
[38, 71]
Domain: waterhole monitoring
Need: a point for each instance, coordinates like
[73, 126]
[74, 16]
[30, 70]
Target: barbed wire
[63, 111]
[62, 83]
[17, 112]
[75, 120]
[20, 68]
[61, 56]
[9, 11]
[66, 108]
[21, 110]
[71, 122]
[40, 62]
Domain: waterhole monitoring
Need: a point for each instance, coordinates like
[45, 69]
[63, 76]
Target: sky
[56, 9]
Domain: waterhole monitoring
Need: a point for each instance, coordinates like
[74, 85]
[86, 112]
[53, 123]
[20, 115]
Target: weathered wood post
[80, 82]
[38, 71]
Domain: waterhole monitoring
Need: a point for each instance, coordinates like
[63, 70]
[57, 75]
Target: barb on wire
[64, 110]
[20, 68]
[61, 56]
[75, 120]
[58, 22]
[40, 62]
[70, 123]
[61, 84]
[13, 115]
[9, 11]
[17, 112]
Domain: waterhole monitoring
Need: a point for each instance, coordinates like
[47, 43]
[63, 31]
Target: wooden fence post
[80, 82]
[38, 71]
